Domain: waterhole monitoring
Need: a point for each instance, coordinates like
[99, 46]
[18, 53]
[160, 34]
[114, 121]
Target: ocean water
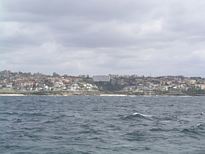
[102, 125]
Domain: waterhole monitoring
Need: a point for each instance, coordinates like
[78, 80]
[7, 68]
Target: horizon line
[92, 75]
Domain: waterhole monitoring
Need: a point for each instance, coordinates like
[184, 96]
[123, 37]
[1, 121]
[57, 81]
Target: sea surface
[102, 125]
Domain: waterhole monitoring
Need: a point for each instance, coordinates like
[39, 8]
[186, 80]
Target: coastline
[12, 95]
[119, 95]
[100, 95]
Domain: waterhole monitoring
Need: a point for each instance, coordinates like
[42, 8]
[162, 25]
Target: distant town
[65, 85]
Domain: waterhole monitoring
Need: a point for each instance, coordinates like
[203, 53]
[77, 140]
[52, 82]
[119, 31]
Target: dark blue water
[102, 125]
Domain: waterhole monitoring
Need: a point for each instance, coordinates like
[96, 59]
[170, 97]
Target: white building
[101, 78]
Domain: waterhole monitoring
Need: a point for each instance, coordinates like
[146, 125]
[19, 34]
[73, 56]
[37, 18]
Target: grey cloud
[93, 9]
[102, 37]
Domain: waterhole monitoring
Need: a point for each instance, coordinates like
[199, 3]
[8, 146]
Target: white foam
[144, 115]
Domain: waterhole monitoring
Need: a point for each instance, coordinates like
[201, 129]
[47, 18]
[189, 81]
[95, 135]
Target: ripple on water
[96, 125]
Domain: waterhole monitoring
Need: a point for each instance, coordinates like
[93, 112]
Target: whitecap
[142, 115]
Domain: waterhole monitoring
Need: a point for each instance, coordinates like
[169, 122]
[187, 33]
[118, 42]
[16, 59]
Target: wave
[142, 115]
[139, 116]
[137, 135]
[158, 129]
[195, 131]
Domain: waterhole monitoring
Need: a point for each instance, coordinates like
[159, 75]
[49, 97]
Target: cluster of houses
[27, 82]
[171, 85]
[130, 84]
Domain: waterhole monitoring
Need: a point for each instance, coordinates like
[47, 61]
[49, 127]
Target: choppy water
[102, 125]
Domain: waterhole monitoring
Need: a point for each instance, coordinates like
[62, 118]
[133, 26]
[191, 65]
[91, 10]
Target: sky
[144, 37]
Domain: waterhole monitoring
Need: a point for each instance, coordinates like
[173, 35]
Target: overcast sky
[150, 37]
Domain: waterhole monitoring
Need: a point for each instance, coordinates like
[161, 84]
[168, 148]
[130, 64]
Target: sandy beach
[12, 95]
[112, 95]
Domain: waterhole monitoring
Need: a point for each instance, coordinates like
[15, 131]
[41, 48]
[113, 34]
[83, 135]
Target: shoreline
[111, 95]
[12, 95]
[102, 95]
